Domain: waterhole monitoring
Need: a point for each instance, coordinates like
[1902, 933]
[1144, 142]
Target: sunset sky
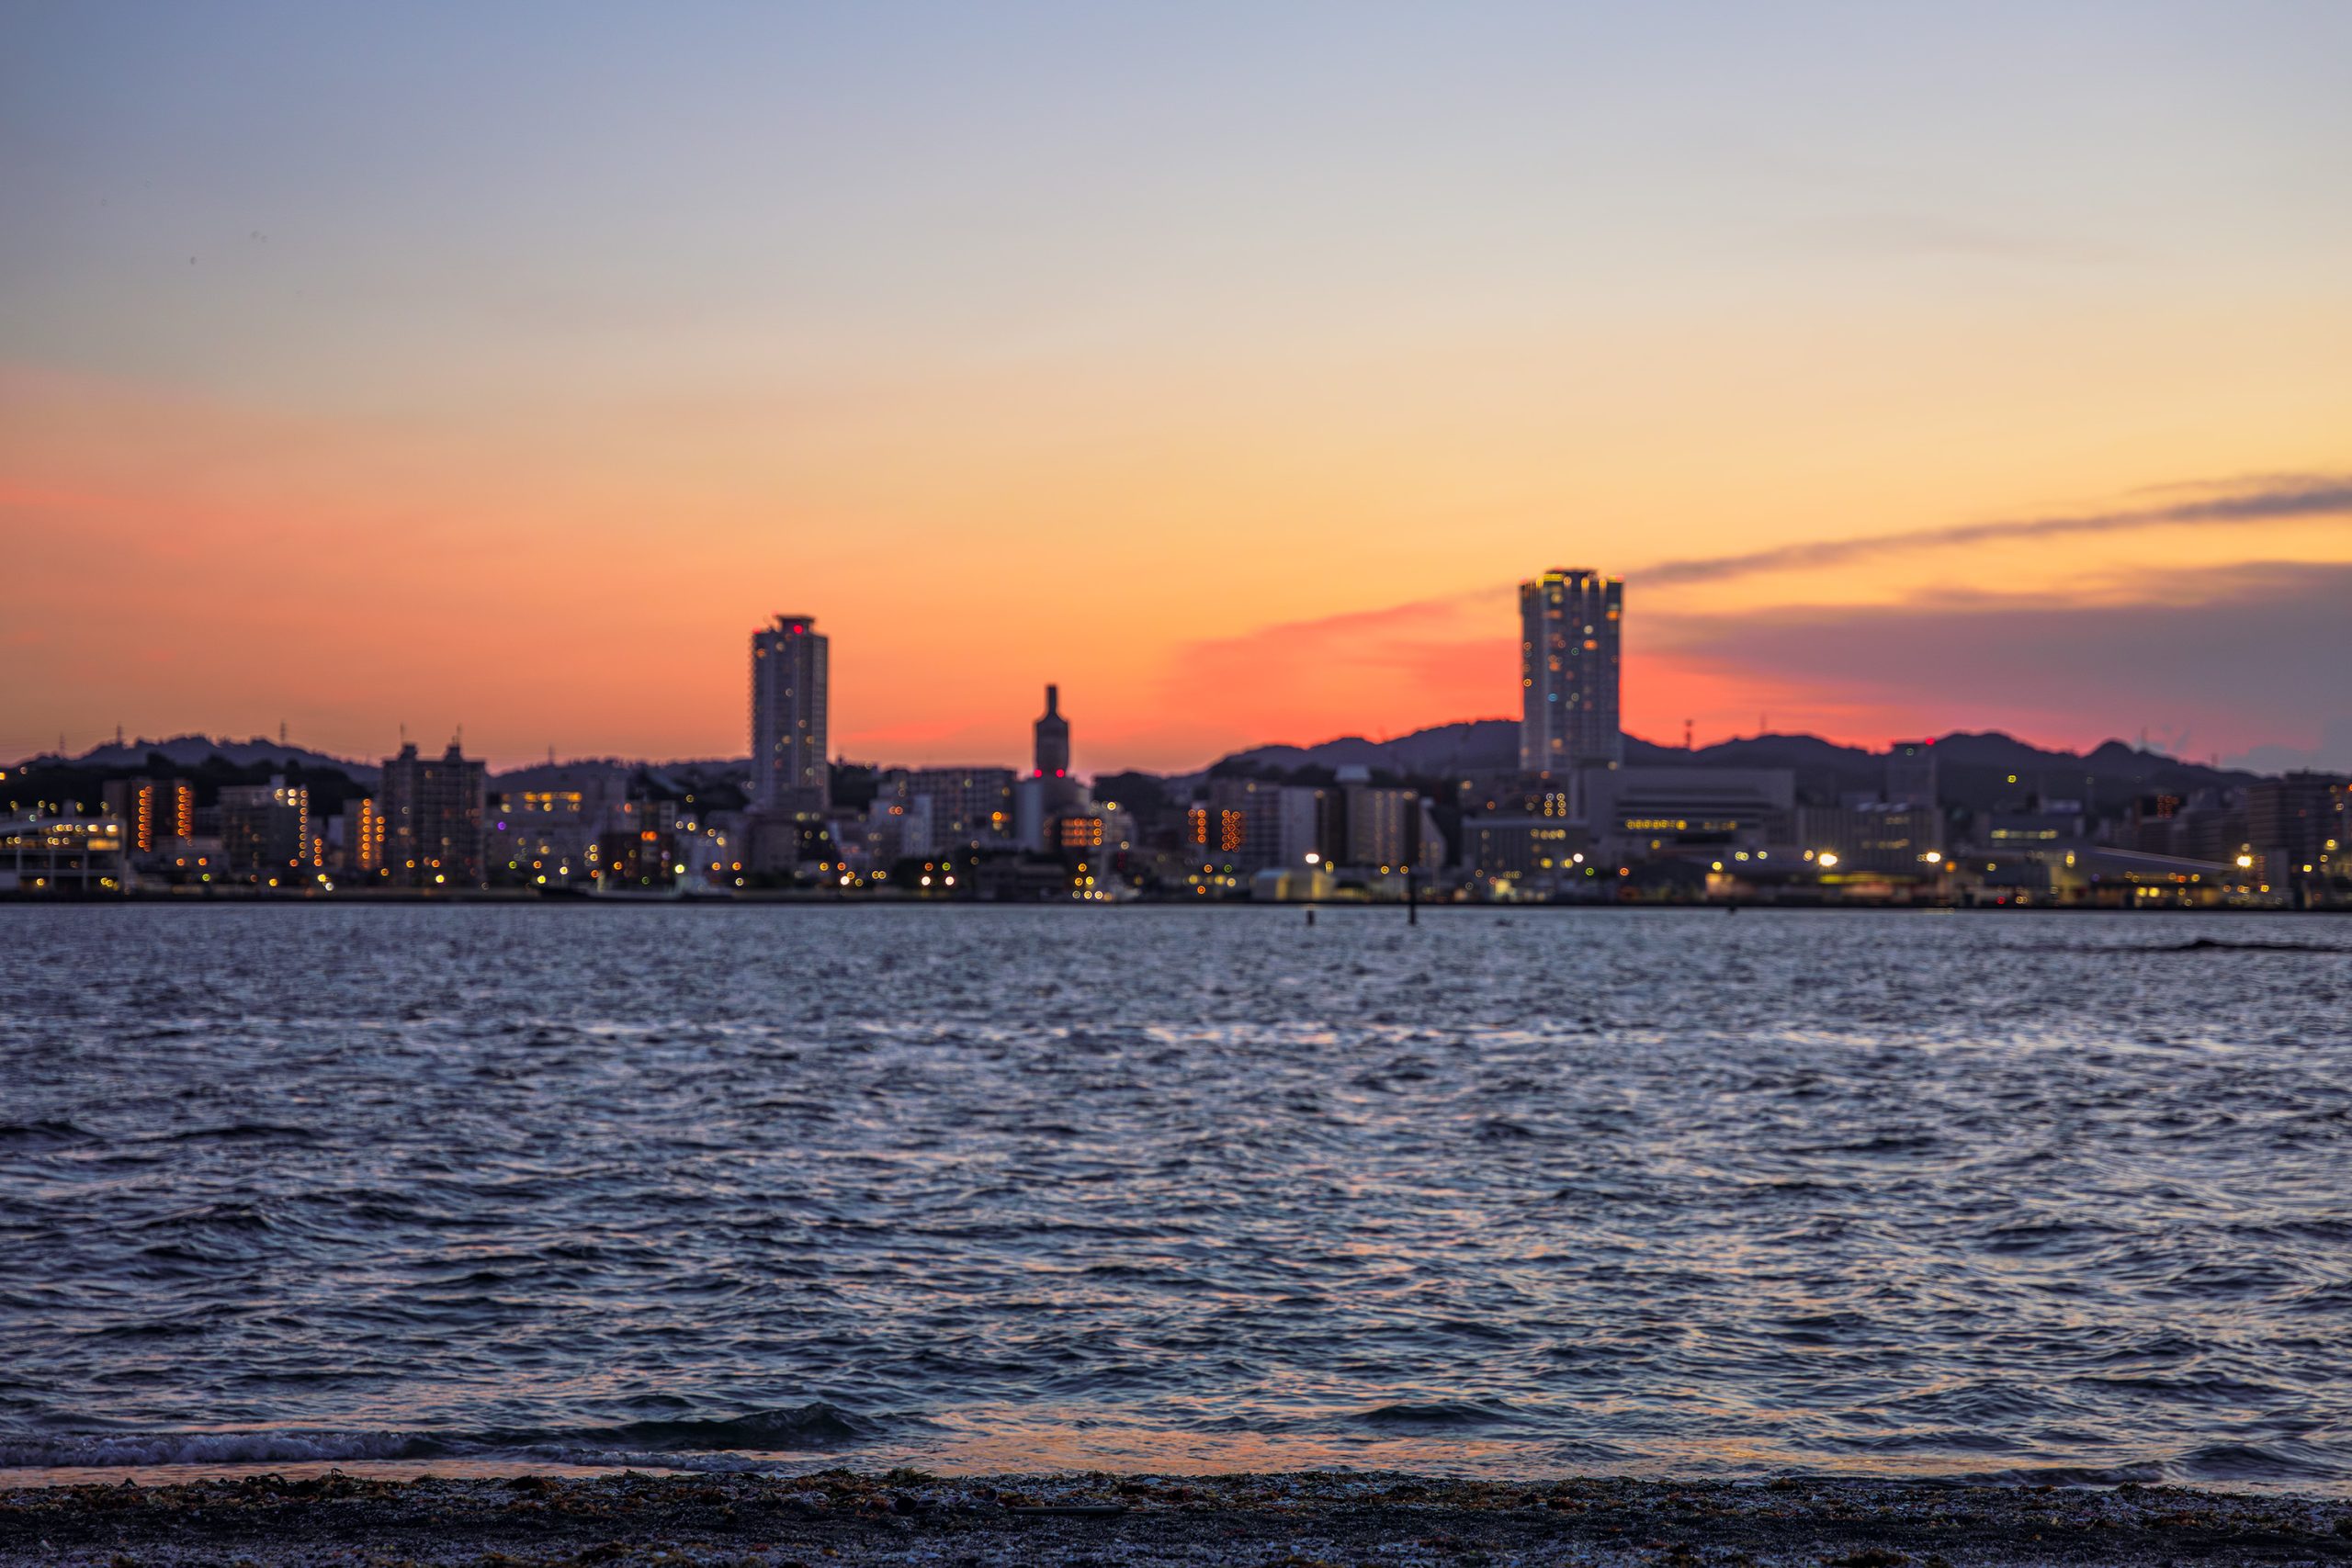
[1920, 368]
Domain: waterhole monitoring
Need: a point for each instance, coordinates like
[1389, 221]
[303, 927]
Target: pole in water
[1311, 914]
[1413, 900]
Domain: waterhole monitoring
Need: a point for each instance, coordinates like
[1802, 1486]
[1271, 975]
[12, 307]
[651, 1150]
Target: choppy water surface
[1667, 1192]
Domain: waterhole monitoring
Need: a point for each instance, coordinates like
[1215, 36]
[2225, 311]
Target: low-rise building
[63, 856]
[1899, 841]
[1650, 813]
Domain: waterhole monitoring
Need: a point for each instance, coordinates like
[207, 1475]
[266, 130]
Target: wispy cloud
[2254, 657]
[2322, 495]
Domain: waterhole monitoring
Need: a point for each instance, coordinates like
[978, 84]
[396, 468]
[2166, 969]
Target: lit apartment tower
[433, 819]
[265, 828]
[1567, 666]
[789, 774]
[364, 838]
[153, 811]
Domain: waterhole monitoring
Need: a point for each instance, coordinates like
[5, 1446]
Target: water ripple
[1575, 1190]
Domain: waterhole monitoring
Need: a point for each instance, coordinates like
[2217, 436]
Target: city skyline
[1933, 382]
[1571, 623]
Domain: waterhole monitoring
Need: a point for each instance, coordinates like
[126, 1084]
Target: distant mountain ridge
[1470, 746]
[1491, 745]
[189, 751]
[192, 750]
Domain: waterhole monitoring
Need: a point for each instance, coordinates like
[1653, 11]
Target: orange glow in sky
[1228, 372]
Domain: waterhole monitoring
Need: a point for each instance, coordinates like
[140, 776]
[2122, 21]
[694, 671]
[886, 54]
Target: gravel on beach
[1090, 1520]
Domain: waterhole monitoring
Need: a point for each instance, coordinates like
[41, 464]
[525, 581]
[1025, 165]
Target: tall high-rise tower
[1053, 739]
[1569, 623]
[789, 773]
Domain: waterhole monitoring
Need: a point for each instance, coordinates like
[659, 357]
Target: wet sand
[1300, 1520]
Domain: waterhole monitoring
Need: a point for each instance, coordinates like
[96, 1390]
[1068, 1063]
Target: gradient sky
[505, 365]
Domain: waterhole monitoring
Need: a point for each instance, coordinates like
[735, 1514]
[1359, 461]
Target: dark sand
[1300, 1520]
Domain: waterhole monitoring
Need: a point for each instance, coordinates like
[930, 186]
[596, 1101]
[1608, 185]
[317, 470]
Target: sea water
[1661, 1193]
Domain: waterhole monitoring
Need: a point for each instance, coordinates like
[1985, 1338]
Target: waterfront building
[2059, 823]
[897, 826]
[936, 810]
[790, 680]
[2206, 825]
[1029, 814]
[1520, 848]
[434, 809]
[1432, 855]
[1664, 812]
[1308, 833]
[643, 860]
[1911, 774]
[1569, 624]
[62, 856]
[265, 830]
[152, 811]
[541, 838]
[1906, 840]
[1241, 826]
[2290, 823]
[1383, 826]
[357, 833]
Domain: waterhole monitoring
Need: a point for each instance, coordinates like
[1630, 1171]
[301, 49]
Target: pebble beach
[1095, 1520]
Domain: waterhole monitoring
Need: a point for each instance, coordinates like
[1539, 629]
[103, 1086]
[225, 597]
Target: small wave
[813, 1425]
[682, 1444]
[2049, 1475]
[227, 1216]
[2257, 1461]
[1441, 1412]
[47, 1132]
[91, 1449]
[242, 1133]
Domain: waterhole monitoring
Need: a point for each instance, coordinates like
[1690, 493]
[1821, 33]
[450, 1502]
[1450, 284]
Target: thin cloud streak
[2262, 666]
[2318, 496]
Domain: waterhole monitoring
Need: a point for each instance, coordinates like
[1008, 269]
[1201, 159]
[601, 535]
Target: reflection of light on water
[1011, 1447]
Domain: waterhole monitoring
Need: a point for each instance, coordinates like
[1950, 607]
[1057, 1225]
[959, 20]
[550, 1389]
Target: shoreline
[1073, 1518]
[518, 898]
